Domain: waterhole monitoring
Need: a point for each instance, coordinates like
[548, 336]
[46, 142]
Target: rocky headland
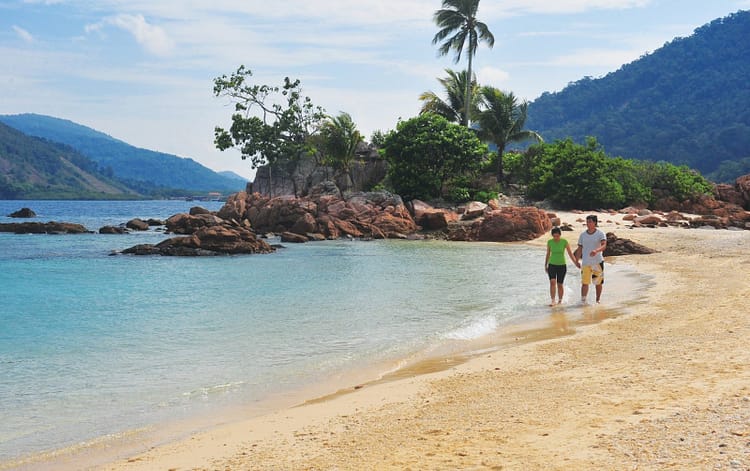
[248, 218]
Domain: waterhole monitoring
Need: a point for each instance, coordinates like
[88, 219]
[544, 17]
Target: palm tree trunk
[500, 174]
[467, 95]
[270, 182]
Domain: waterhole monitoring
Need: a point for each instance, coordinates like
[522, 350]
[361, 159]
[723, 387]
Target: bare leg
[560, 292]
[584, 292]
[552, 284]
[599, 292]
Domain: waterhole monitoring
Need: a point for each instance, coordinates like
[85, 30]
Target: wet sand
[666, 386]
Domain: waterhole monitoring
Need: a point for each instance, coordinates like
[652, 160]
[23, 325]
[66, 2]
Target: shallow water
[93, 345]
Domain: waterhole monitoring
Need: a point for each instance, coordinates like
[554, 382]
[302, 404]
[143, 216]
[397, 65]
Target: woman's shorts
[557, 271]
[592, 274]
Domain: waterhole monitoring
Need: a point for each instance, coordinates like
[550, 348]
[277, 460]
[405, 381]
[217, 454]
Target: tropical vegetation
[427, 152]
[571, 175]
[270, 123]
[453, 107]
[501, 118]
[339, 142]
[459, 29]
[687, 103]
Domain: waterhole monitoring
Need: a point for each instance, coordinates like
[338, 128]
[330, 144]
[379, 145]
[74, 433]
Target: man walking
[592, 243]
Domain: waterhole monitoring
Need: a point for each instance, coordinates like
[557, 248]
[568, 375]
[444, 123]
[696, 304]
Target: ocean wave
[475, 329]
[210, 390]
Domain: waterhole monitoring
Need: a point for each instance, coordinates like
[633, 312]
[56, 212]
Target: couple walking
[588, 256]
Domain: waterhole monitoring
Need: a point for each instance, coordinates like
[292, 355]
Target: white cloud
[600, 58]
[23, 34]
[371, 58]
[152, 38]
[492, 76]
[518, 7]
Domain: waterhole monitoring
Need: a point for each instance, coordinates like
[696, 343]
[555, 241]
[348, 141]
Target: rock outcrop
[722, 216]
[617, 246]
[300, 177]
[112, 230]
[220, 239]
[50, 227]
[23, 213]
[506, 224]
[137, 224]
[727, 207]
[323, 215]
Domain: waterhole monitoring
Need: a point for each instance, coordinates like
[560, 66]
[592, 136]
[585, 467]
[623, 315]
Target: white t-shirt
[591, 242]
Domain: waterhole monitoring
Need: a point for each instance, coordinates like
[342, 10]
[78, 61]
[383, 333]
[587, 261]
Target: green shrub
[573, 175]
[484, 195]
[428, 152]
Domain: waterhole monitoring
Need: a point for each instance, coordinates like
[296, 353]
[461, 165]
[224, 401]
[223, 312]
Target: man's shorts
[592, 274]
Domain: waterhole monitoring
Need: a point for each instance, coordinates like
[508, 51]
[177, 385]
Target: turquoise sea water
[93, 345]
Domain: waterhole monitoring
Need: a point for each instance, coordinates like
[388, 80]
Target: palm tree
[501, 118]
[459, 27]
[341, 139]
[454, 109]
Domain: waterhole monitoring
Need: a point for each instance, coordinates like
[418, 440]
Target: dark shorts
[557, 271]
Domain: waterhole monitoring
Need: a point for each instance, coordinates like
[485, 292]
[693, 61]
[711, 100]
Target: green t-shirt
[557, 251]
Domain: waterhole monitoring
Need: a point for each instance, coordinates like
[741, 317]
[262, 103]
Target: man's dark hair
[556, 230]
[592, 217]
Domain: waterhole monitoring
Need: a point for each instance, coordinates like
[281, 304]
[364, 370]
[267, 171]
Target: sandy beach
[666, 386]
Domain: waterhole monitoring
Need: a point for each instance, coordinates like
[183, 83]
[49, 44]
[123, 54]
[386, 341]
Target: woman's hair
[556, 230]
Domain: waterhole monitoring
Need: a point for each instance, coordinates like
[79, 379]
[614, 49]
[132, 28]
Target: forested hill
[34, 168]
[143, 169]
[686, 103]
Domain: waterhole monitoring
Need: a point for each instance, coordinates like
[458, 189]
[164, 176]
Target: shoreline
[102, 451]
[495, 408]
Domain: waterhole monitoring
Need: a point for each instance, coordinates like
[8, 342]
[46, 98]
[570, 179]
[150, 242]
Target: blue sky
[142, 70]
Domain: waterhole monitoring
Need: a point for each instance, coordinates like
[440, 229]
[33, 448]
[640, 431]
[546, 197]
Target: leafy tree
[460, 28]
[269, 124]
[428, 151]
[501, 118]
[454, 109]
[340, 139]
[572, 175]
[378, 138]
[628, 173]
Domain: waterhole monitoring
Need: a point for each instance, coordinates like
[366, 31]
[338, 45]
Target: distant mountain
[686, 103]
[233, 176]
[143, 169]
[34, 168]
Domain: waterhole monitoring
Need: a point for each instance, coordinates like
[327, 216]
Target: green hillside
[33, 168]
[686, 103]
[146, 170]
